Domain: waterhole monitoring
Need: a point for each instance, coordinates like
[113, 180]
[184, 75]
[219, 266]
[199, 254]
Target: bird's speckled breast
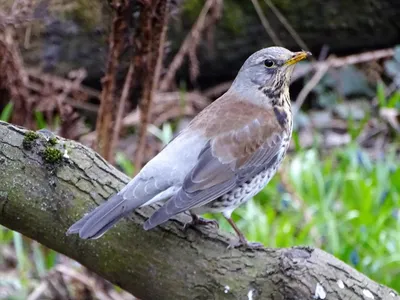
[245, 191]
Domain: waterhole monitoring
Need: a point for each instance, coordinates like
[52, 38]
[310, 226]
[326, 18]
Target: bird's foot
[242, 242]
[196, 221]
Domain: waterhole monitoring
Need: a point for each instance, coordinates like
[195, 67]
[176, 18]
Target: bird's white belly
[244, 192]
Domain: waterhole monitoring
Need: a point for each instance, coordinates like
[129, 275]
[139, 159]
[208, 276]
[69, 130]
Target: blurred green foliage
[354, 206]
[33, 261]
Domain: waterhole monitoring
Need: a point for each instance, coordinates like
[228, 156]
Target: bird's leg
[242, 240]
[196, 220]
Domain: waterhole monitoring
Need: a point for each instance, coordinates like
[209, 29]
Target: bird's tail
[102, 218]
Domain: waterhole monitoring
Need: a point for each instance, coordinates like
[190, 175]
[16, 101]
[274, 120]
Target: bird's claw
[201, 221]
[242, 242]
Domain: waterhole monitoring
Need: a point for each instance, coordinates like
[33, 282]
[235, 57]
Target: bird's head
[269, 70]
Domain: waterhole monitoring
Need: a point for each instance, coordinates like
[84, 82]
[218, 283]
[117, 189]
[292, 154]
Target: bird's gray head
[269, 70]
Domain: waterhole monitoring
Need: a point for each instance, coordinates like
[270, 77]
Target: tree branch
[41, 195]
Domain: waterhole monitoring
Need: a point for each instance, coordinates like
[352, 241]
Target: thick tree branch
[41, 195]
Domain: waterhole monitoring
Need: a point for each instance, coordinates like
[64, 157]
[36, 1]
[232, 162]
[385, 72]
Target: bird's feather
[135, 194]
[157, 181]
[243, 138]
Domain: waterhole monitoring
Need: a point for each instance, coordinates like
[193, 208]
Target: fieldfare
[225, 156]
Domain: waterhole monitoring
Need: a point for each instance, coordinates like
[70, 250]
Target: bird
[226, 155]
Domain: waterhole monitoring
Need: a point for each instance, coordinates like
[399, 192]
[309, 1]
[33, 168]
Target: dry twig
[170, 105]
[154, 28]
[190, 43]
[14, 77]
[321, 71]
[58, 280]
[336, 62]
[266, 24]
[108, 106]
[287, 25]
[21, 14]
[122, 103]
[147, 56]
[30, 88]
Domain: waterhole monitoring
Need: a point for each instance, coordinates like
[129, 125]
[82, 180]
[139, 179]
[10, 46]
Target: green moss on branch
[29, 140]
[52, 155]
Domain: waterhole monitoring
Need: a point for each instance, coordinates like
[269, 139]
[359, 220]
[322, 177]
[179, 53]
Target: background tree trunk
[44, 188]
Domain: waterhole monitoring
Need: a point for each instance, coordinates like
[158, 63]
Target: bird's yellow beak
[297, 56]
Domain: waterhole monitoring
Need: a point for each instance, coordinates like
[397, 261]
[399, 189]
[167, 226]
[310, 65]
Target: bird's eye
[269, 63]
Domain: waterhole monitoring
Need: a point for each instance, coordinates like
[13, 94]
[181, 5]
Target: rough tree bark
[43, 191]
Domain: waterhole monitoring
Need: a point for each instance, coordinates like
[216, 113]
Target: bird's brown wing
[244, 139]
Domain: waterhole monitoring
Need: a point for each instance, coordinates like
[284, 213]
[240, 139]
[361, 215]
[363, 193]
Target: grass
[33, 261]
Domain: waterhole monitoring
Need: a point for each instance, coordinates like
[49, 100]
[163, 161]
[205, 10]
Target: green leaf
[51, 259]
[40, 121]
[39, 259]
[126, 165]
[380, 94]
[6, 112]
[19, 250]
[296, 140]
[394, 101]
